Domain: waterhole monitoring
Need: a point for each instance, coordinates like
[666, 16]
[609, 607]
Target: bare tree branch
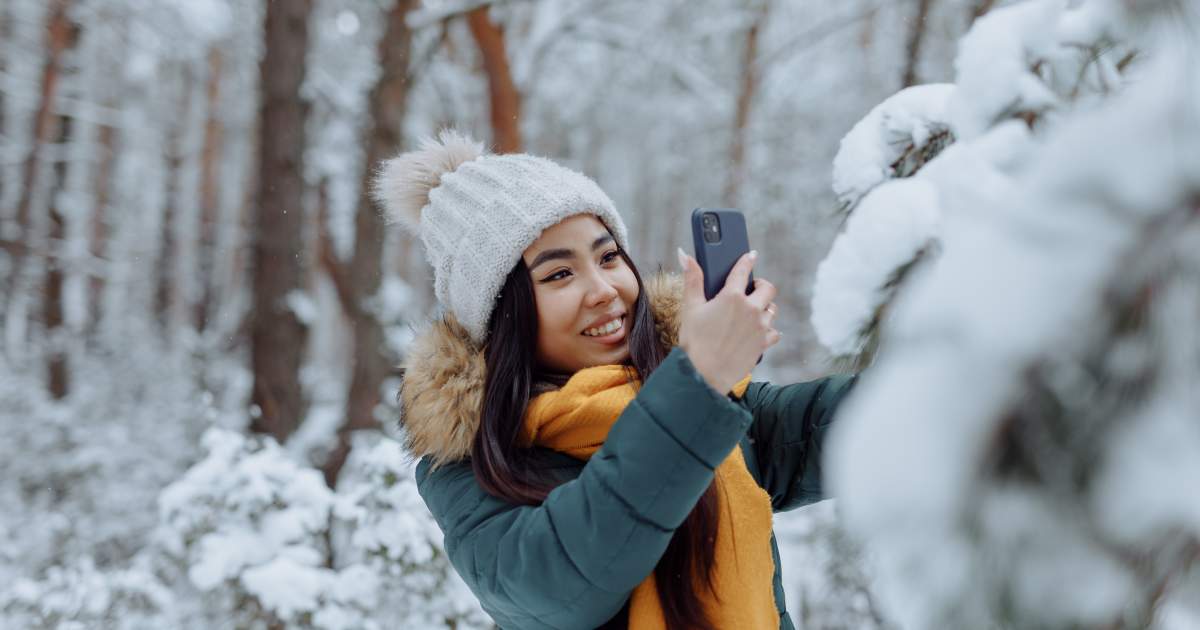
[916, 35]
[327, 257]
[816, 35]
[745, 100]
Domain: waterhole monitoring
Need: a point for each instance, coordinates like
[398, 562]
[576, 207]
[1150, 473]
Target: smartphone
[719, 238]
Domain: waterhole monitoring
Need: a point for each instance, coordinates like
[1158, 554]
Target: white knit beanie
[477, 212]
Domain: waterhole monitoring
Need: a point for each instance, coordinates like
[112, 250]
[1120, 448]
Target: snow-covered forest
[990, 208]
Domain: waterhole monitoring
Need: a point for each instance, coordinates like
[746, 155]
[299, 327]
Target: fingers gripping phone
[719, 238]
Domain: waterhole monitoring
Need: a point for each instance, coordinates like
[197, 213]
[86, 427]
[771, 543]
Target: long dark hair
[503, 468]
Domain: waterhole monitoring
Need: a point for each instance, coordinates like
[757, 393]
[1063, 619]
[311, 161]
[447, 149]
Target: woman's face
[585, 295]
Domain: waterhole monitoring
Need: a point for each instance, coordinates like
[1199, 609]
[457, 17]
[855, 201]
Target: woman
[590, 444]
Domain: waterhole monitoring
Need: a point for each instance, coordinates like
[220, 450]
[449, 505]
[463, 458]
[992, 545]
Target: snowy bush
[388, 531]
[82, 478]
[257, 531]
[80, 482]
[243, 538]
[247, 519]
[1025, 449]
[82, 596]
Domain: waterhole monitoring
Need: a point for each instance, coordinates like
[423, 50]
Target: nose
[601, 291]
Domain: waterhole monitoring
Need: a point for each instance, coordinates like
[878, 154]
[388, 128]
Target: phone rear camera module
[711, 227]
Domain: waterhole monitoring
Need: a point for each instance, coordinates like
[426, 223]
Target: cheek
[556, 312]
[627, 286]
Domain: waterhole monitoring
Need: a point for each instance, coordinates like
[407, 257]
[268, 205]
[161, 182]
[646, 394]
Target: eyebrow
[568, 254]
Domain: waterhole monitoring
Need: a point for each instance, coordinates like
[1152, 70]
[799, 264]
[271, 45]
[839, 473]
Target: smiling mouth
[612, 328]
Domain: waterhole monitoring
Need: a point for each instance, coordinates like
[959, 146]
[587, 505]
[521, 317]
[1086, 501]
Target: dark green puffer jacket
[573, 561]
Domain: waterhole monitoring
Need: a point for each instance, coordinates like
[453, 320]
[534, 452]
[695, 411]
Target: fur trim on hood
[441, 397]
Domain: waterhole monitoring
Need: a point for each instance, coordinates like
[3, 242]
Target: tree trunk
[371, 358]
[209, 198]
[916, 35]
[503, 96]
[277, 335]
[60, 33]
[52, 305]
[741, 115]
[6, 30]
[167, 287]
[56, 251]
[99, 232]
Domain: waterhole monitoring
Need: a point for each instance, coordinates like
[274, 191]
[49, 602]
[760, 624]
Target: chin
[616, 357]
[596, 359]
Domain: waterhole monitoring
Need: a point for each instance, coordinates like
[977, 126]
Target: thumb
[693, 280]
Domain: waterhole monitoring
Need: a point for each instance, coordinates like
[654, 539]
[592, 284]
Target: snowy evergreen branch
[1033, 62]
[1055, 490]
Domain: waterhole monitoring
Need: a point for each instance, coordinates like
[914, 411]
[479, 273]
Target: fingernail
[753, 254]
[682, 258]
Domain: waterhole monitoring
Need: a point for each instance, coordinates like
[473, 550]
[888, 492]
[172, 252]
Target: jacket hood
[441, 397]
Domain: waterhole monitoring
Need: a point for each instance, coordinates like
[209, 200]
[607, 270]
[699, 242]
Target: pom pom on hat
[403, 183]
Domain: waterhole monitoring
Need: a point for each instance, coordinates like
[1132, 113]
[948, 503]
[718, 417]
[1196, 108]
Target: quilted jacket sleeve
[572, 561]
[790, 425]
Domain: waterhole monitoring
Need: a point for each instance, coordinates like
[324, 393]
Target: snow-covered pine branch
[1025, 450]
[1032, 62]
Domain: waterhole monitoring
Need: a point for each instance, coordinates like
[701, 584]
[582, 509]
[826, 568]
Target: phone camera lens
[711, 227]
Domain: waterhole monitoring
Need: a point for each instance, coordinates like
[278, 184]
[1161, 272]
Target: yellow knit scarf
[576, 419]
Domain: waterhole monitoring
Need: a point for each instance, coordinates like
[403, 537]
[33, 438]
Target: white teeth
[606, 329]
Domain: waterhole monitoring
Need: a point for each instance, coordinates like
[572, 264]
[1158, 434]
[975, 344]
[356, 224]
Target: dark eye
[608, 257]
[557, 275]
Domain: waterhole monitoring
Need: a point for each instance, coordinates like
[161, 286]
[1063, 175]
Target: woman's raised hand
[725, 336]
